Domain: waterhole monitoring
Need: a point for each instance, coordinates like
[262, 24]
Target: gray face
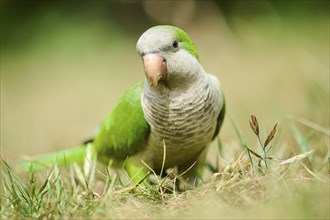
[182, 67]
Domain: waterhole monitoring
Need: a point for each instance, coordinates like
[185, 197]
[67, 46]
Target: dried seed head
[254, 125]
[270, 136]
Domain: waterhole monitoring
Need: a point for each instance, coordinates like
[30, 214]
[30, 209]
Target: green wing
[220, 119]
[222, 112]
[125, 130]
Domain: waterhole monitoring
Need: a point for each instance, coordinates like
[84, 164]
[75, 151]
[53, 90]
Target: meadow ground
[249, 185]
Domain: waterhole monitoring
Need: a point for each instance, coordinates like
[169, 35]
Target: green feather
[186, 42]
[125, 130]
[220, 119]
[62, 158]
[181, 36]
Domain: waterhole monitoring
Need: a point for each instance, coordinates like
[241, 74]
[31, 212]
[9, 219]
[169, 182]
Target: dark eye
[175, 44]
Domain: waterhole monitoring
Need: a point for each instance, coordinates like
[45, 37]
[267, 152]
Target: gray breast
[185, 122]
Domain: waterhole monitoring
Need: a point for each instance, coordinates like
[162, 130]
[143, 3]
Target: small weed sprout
[255, 128]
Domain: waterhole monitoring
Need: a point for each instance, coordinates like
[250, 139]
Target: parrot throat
[174, 85]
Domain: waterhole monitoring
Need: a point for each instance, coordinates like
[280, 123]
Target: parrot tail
[61, 158]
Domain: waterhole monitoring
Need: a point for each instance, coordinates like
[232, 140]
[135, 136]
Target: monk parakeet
[178, 109]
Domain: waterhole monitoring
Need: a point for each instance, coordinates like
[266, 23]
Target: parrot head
[169, 56]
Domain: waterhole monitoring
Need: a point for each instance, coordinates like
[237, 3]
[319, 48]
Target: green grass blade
[312, 125]
[238, 133]
[301, 140]
[241, 140]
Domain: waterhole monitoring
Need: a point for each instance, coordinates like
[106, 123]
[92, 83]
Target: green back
[125, 130]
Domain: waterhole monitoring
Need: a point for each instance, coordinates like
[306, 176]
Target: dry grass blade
[238, 162]
[296, 158]
[133, 187]
[314, 174]
[164, 158]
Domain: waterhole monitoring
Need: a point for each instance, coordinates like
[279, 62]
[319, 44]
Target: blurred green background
[65, 63]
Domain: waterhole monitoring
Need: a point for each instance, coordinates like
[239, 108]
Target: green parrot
[173, 114]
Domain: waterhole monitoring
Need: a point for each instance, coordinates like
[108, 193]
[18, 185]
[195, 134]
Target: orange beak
[155, 68]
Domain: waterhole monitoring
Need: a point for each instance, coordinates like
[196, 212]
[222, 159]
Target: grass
[249, 185]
